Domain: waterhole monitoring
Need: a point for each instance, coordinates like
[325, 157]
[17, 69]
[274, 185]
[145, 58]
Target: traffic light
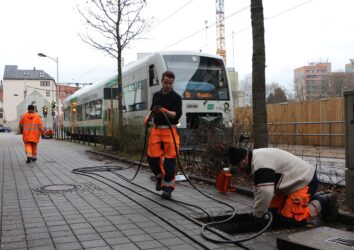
[45, 111]
[53, 106]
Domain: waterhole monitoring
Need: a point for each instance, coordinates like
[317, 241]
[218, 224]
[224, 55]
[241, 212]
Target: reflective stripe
[315, 208]
[164, 126]
[168, 183]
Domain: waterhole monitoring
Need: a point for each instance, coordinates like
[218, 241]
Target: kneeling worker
[285, 185]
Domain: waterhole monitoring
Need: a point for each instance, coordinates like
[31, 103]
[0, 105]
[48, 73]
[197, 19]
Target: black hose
[90, 170]
[222, 221]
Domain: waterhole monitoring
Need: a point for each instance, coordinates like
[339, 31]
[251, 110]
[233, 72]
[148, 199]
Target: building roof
[11, 72]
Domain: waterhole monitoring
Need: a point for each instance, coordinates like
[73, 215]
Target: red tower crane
[220, 29]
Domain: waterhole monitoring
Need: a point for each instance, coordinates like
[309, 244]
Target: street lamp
[56, 60]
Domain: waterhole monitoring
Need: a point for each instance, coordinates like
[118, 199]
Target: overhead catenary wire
[238, 31]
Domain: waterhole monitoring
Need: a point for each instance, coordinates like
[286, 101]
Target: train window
[93, 110]
[153, 79]
[135, 96]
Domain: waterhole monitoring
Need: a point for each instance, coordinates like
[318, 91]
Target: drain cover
[343, 241]
[66, 188]
[57, 188]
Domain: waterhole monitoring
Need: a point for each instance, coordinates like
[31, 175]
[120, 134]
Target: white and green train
[201, 80]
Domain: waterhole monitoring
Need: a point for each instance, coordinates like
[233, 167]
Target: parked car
[5, 129]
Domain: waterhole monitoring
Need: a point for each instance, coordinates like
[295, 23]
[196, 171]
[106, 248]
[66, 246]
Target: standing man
[285, 185]
[31, 127]
[162, 152]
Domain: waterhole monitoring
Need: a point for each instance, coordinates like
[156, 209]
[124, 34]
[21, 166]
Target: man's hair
[236, 155]
[168, 74]
[30, 107]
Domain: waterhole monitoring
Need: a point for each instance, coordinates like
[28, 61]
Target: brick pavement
[36, 214]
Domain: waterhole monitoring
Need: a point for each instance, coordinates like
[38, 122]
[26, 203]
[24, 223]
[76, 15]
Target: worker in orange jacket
[31, 127]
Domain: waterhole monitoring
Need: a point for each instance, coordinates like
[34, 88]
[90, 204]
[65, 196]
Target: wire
[204, 227]
[172, 14]
[211, 25]
[243, 29]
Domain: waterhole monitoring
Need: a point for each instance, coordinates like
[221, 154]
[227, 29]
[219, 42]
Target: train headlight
[226, 106]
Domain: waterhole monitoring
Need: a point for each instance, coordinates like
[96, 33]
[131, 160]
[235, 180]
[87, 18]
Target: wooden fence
[319, 122]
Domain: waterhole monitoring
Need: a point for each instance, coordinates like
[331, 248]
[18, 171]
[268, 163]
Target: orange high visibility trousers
[162, 155]
[296, 206]
[31, 149]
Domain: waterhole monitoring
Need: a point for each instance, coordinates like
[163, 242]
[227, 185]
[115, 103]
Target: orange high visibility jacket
[31, 127]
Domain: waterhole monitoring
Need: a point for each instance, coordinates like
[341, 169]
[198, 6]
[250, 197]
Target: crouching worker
[162, 152]
[285, 185]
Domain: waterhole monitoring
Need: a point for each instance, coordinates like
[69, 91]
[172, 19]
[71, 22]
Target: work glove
[159, 108]
[156, 109]
[146, 121]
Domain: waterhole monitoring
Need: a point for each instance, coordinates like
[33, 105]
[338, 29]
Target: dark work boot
[34, 158]
[329, 209]
[166, 194]
[29, 159]
[158, 184]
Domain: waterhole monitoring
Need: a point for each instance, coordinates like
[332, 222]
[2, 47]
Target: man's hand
[146, 121]
[156, 109]
[164, 110]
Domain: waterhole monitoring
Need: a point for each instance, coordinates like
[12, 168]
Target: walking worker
[285, 185]
[161, 146]
[31, 127]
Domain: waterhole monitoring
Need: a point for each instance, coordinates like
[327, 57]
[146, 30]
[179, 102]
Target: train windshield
[198, 77]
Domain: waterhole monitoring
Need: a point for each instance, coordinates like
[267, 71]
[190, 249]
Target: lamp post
[56, 60]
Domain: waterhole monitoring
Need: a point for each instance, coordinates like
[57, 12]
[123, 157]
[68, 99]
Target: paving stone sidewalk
[45, 206]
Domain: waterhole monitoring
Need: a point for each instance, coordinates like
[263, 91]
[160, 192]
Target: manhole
[66, 188]
[242, 224]
[57, 188]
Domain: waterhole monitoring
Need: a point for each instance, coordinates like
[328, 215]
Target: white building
[24, 87]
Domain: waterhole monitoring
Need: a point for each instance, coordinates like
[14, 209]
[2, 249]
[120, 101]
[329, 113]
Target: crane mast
[220, 29]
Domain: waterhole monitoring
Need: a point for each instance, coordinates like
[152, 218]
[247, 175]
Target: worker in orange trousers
[31, 128]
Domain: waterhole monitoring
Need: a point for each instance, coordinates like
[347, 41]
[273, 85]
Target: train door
[154, 85]
[109, 94]
[73, 117]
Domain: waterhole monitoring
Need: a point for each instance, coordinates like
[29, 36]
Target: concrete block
[349, 186]
[325, 238]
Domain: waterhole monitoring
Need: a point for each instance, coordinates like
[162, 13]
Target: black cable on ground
[222, 221]
[89, 174]
[89, 170]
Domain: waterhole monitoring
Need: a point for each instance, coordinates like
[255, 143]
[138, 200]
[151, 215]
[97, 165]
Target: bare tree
[112, 26]
[275, 93]
[336, 82]
[260, 130]
[299, 89]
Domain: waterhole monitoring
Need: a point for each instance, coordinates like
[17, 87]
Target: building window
[44, 83]
[47, 93]
[41, 74]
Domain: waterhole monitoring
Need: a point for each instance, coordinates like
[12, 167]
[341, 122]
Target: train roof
[105, 82]
[112, 79]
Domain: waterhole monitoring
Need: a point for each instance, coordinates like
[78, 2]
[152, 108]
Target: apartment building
[309, 80]
[22, 87]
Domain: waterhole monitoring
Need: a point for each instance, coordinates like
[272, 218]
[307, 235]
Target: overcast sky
[296, 31]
